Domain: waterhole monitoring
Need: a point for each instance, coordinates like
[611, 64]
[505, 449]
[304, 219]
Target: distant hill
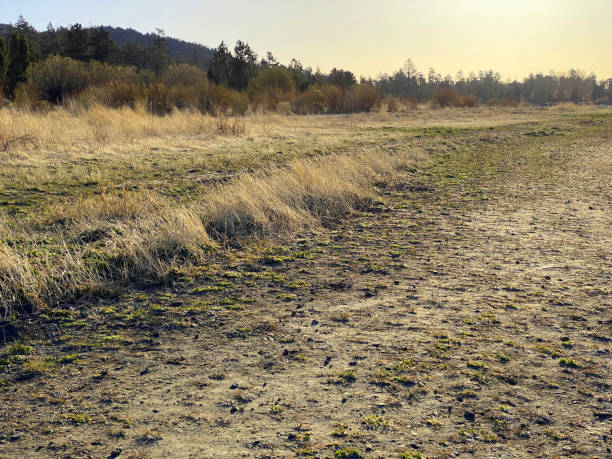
[179, 49]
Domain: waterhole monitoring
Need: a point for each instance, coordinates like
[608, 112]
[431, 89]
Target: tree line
[69, 62]
[487, 86]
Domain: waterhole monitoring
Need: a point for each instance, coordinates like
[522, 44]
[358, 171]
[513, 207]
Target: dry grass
[103, 241]
[96, 125]
[98, 235]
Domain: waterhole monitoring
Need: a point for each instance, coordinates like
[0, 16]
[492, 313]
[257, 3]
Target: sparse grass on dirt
[429, 283]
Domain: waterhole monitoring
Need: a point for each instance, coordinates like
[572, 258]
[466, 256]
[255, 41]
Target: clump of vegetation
[341, 430]
[347, 376]
[374, 422]
[568, 363]
[348, 452]
[446, 96]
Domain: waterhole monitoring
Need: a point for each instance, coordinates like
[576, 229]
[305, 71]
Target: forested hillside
[118, 67]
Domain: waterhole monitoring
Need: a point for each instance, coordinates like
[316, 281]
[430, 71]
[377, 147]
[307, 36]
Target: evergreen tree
[220, 66]
[26, 29]
[51, 41]
[243, 66]
[342, 78]
[19, 60]
[3, 65]
[160, 52]
[77, 42]
[101, 45]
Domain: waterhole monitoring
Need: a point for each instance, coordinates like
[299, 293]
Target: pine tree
[101, 44]
[77, 41]
[160, 52]
[243, 66]
[220, 66]
[3, 65]
[19, 60]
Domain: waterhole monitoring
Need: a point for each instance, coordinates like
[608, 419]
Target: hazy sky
[514, 37]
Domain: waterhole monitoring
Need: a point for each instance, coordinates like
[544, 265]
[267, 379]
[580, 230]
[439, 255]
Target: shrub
[311, 101]
[467, 100]
[239, 102]
[202, 102]
[334, 98]
[122, 94]
[449, 97]
[158, 99]
[362, 98]
[183, 75]
[184, 96]
[271, 86]
[392, 104]
[26, 97]
[220, 99]
[99, 74]
[58, 77]
[445, 96]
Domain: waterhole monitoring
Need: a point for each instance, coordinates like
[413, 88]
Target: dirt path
[460, 316]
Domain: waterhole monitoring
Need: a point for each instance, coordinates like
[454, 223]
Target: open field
[429, 283]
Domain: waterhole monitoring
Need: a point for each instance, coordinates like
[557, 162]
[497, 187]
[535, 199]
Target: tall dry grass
[93, 126]
[103, 241]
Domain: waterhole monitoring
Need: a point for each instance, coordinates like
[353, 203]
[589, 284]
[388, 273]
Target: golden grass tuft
[114, 237]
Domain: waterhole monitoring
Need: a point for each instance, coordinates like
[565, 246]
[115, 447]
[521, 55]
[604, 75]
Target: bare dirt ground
[468, 312]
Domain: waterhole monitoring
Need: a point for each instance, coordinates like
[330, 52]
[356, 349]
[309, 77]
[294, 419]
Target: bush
[392, 104]
[334, 98]
[239, 103]
[58, 77]
[158, 99]
[184, 75]
[362, 98]
[271, 86]
[99, 74]
[311, 101]
[202, 102]
[445, 97]
[219, 100]
[184, 96]
[467, 100]
[449, 97]
[122, 94]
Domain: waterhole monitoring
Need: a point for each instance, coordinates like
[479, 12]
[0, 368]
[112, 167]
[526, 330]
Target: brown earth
[466, 313]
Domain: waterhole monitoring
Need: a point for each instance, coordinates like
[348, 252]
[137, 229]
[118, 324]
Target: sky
[512, 37]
